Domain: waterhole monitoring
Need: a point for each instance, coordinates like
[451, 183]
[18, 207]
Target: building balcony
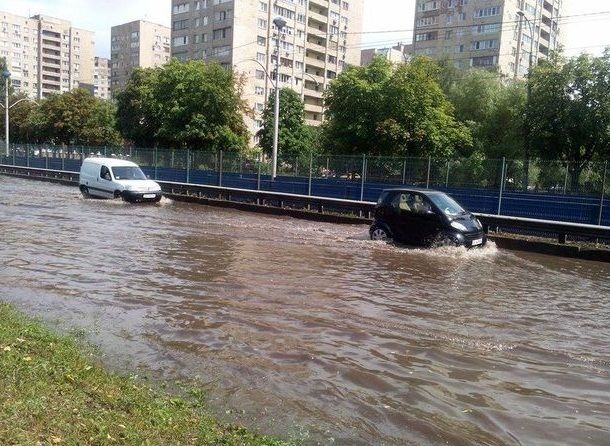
[50, 35]
[51, 87]
[315, 62]
[312, 108]
[316, 44]
[50, 70]
[51, 61]
[51, 43]
[313, 93]
[313, 119]
[47, 80]
[317, 16]
[318, 78]
[319, 6]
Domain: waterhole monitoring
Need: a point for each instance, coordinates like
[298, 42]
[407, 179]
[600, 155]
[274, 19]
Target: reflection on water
[308, 330]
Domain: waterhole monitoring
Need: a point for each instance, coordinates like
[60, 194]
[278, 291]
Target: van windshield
[128, 173]
[447, 204]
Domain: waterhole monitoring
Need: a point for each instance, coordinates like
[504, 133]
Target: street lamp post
[6, 75]
[279, 23]
[526, 142]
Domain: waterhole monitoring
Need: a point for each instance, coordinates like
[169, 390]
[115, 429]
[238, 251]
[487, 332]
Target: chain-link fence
[558, 190]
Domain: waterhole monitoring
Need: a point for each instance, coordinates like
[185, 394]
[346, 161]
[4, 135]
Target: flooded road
[309, 331]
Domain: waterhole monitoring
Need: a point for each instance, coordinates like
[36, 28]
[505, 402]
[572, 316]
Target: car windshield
[447, 204]
[128, 173]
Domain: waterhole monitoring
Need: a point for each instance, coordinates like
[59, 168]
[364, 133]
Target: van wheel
[117, 194]
[85, 191]
[379, 233]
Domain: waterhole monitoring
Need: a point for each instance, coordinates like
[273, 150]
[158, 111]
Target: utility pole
[279, 23]
[519, 44]
[6, 75]
[526, 124]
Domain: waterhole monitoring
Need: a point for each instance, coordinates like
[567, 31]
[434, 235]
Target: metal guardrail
[561, 229]
[307, 206]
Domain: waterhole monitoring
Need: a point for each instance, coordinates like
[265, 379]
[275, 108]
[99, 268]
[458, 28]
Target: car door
[424, 221]
[105, 185]
[387, 213]
[402, 221]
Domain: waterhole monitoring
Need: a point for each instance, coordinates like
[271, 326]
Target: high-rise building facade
[136, 44]
[488, 33]
[45, 55]
[320, 38]
[101, 78]
[395, 54]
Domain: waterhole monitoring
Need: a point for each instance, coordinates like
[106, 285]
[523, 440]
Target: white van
[115, 178]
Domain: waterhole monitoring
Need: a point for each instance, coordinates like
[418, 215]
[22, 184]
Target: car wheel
[379, 233]
[445, 240]
[85, 191]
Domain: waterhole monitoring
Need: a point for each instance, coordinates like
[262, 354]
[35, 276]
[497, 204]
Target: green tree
[19, 118]
[184, 104]
[3, 68]
[493, 110]
[137, 108]
[569, 110]
[386, 109]
[502, 132]
[75, 117]
[294, 136]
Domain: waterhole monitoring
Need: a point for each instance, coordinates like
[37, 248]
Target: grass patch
[52, 392]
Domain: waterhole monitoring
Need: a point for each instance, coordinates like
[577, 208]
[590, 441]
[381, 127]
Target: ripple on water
[310, 330]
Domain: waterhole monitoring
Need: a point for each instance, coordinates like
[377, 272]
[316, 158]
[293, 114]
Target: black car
[425, 218]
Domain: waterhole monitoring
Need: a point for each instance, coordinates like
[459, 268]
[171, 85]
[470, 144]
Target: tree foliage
[569, 111]
[386, 109]
[294, 136]
[184, 104]
[492, 108]
[3, 68]
[19, 118]
[74, 117]
[137, 109]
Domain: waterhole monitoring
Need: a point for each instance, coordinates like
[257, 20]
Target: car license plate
[477, 242]
[148, 196]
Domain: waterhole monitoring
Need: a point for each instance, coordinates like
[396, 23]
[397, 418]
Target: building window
[180, 24]
[221, 33]
[180, 8]
[181, 41]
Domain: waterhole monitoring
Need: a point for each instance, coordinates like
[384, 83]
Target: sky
[589, 33]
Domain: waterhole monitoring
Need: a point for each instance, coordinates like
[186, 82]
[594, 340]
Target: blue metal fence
[492, 191]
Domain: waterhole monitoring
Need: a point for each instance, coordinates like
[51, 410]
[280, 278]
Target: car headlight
[459, 226]
[478, 223]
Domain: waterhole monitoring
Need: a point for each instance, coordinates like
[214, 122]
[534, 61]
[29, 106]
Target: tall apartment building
[395, 54]
[488, 33]
[45, 55]
[320, 38]
[101, 78]
[136, 44]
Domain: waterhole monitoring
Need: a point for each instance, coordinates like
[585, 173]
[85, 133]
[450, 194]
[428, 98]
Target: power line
[507, 26]
[588, 14]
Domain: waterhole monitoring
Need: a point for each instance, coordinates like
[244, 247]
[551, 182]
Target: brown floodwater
[309, 331]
